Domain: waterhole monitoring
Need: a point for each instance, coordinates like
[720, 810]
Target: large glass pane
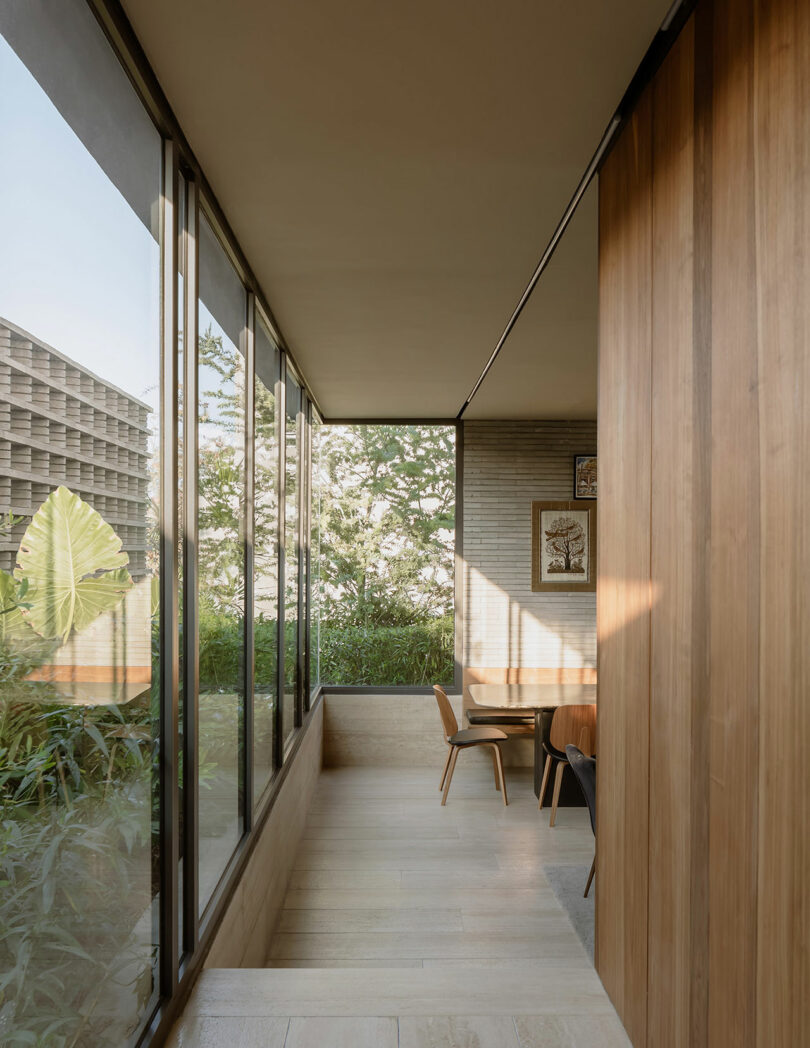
[387, 512]
[292, 555]
[182, 248]
[265, 560]
[316, 432]
[221, 472]
[79, 496]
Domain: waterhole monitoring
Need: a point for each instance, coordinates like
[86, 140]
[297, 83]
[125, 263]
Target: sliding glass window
[292, 559]
[265, 557]
[79, 557]
[315, 514]
[386, 538]
[221, 574]
[91, 642]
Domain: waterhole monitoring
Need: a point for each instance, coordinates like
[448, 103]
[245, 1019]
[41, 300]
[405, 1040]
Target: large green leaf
[74, 565]
[13, 627]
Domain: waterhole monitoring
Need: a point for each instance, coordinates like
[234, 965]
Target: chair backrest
[546, 717]
[446, 710]
[575, 726]
[585, 770]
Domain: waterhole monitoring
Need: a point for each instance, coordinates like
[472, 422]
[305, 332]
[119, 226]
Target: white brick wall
[507, 465]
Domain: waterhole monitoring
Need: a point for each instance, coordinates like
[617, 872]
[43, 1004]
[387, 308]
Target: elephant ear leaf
[14, 630]
[74, 565]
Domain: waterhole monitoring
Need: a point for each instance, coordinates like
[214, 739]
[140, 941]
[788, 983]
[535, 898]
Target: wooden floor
[409, 925]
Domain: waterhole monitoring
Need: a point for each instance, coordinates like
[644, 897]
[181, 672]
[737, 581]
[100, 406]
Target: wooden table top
[531, 696]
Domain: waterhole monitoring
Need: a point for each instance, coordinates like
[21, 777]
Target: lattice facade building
[62, 424]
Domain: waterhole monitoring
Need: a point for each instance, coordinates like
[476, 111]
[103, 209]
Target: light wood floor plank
[409, 925]
[556, 989]
[566, 1031]
[230, 1032]
[308, 1032]
[453, 1031]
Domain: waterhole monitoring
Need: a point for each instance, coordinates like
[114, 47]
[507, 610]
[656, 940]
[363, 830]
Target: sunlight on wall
[500, 630]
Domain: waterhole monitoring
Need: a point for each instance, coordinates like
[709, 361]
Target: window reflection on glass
[182, 199]
[265, 559]
[221, 486]
[79, 489]
[316, 430]
[291, 556]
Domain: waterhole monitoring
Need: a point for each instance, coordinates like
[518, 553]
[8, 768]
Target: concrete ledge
[398, 731]
[243, 937]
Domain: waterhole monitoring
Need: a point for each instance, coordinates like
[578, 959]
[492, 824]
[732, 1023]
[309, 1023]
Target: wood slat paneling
[623, 617]
[713, 296]
[782, 167]
[671, 678]
[734, 575]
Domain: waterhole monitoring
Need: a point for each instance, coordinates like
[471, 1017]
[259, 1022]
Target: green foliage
[75, 842]
[74, 566]
[387, 513]
[15, 633]
[382, 548]
[421, 653]
[221, 474]
[76, 801]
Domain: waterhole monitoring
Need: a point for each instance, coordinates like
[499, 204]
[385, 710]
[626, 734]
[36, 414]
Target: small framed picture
[563, 546]
[584, 476]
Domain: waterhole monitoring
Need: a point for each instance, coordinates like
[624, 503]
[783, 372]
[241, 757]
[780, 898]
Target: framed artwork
[564, 546]
[584, 476]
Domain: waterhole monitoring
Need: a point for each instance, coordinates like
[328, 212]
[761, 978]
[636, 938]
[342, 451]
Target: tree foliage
[387, 517]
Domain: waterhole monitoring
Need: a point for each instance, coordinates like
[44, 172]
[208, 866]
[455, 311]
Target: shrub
[388, 655]
[418, 654]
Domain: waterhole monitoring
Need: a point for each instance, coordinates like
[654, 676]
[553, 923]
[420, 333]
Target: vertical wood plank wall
[623, 584]
[703, 606]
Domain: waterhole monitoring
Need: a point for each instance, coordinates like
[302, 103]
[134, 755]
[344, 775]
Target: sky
[78, 268]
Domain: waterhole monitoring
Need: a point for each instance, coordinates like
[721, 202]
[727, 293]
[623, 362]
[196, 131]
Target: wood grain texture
[728, 922]
[575, 725]
[734, 540]
[782, 167]
[623, 603]
[522, 675]
[671, 568]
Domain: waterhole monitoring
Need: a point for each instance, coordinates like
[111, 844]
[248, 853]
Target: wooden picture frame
[563, 537]
[585, 476]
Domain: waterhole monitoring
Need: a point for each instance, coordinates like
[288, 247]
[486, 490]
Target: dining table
[532, 698]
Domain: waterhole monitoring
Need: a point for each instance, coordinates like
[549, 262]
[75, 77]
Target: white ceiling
[393, 172]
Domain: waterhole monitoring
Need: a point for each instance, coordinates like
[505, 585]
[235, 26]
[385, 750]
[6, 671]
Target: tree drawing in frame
[565, 549]
[564, 546]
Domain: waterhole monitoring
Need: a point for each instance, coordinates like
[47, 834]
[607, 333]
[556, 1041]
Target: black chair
[584, 768]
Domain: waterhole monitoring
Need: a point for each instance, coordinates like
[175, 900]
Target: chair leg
[495, 767]
[499, 766]
[544, 784]
[590, 877]
[450, 770]
[446, 766]
[557, 784]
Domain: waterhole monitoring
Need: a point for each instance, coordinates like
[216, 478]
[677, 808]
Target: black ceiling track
[673, 23]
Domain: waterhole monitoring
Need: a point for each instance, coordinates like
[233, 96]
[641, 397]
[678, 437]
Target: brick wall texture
[507, 465]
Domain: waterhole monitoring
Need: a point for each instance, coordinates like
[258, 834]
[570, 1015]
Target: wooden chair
[464, 740]
[560, 727]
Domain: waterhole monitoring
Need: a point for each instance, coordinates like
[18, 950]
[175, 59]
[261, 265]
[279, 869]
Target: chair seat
[472, 736]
